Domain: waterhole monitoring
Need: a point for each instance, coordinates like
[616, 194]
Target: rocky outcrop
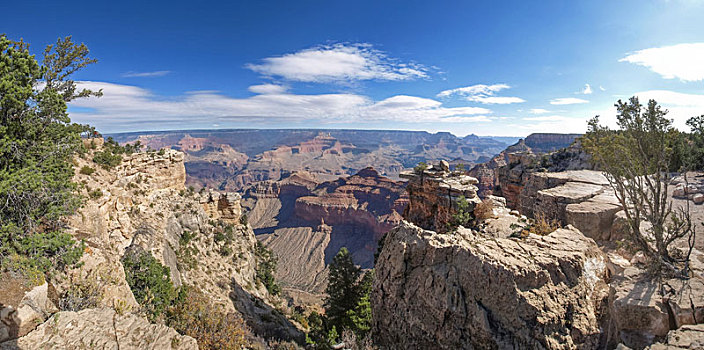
[581, 198]
[142, 205]
[506, 173]
[366, 199]
[100, 329]
[29, 307]
[549, 142]
[465, 291]
[434, 193]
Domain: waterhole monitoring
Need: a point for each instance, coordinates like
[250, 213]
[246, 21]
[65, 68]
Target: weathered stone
[33, 309]
[638, 312]
[465, 291]
[433, 198]
[698, 198]
[686, 337]
[594, 217]
[100, 329]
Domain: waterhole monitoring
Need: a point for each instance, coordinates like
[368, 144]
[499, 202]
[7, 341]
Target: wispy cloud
[338, 63]
[587, 89]
[551, 118]
[482, 93]
[267, 89]
[538, 111]
[567, 101]
[682, 61]
[159, 73]
[123, 106]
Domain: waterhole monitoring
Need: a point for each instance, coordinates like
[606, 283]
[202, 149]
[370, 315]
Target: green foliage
[636, 159]
[461, 167]
[420, 168]
[37, 141]
[695, 148]
[95, 194]
[342, 290]
[106, 159]
[86, 170]
[266, 267]
[150, 282]
[361, 315]
[347, 307]
[243, 219]
[40, 252]
[463, 215]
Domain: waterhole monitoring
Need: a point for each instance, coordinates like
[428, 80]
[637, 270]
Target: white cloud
[552, 118]
[159, 73]
[682, 61]
[601, 88]
[567, 101]
[338, 63]
[267, 89]
[538, 111]
[122, 107]
[482, 93]
[587, 89]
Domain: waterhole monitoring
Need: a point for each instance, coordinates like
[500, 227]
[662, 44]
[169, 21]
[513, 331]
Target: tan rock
[638, 312]
[465, 290]
[100, 329]
[686, 337]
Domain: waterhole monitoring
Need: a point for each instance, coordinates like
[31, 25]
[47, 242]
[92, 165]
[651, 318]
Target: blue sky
[489, 68]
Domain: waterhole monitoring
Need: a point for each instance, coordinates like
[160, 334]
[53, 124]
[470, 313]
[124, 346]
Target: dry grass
[542, 226]
[484, 210]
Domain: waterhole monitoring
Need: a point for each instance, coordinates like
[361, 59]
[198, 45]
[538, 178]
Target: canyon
[234, 159]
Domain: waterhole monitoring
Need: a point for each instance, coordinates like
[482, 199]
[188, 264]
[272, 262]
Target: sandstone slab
[100, 329]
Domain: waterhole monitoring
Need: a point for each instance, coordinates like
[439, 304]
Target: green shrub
[95, 194]
[106, 159]
[463, 216]
[86, 170]
[38, 142]
[150, 282]
[266, 267]
[38, 253]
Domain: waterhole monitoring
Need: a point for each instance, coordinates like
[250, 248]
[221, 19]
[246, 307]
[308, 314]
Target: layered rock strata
[466, 291]
[433, 195]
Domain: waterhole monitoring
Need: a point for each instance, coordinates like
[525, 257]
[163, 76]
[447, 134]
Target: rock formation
[496, 284]
[434, 193]
[505, 174]
[102, 328]
[142, 204]
[464, 291]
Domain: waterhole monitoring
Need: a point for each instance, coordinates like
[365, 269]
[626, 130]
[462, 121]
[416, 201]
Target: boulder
[698, 198]
[33, 309]
[638, 312]
[100, 329]
[466, 291]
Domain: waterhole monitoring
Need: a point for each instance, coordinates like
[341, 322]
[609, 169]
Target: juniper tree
[635, 159]
[37, 141]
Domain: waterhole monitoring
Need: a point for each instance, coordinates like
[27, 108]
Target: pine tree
[343, 290]
[37, 141]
